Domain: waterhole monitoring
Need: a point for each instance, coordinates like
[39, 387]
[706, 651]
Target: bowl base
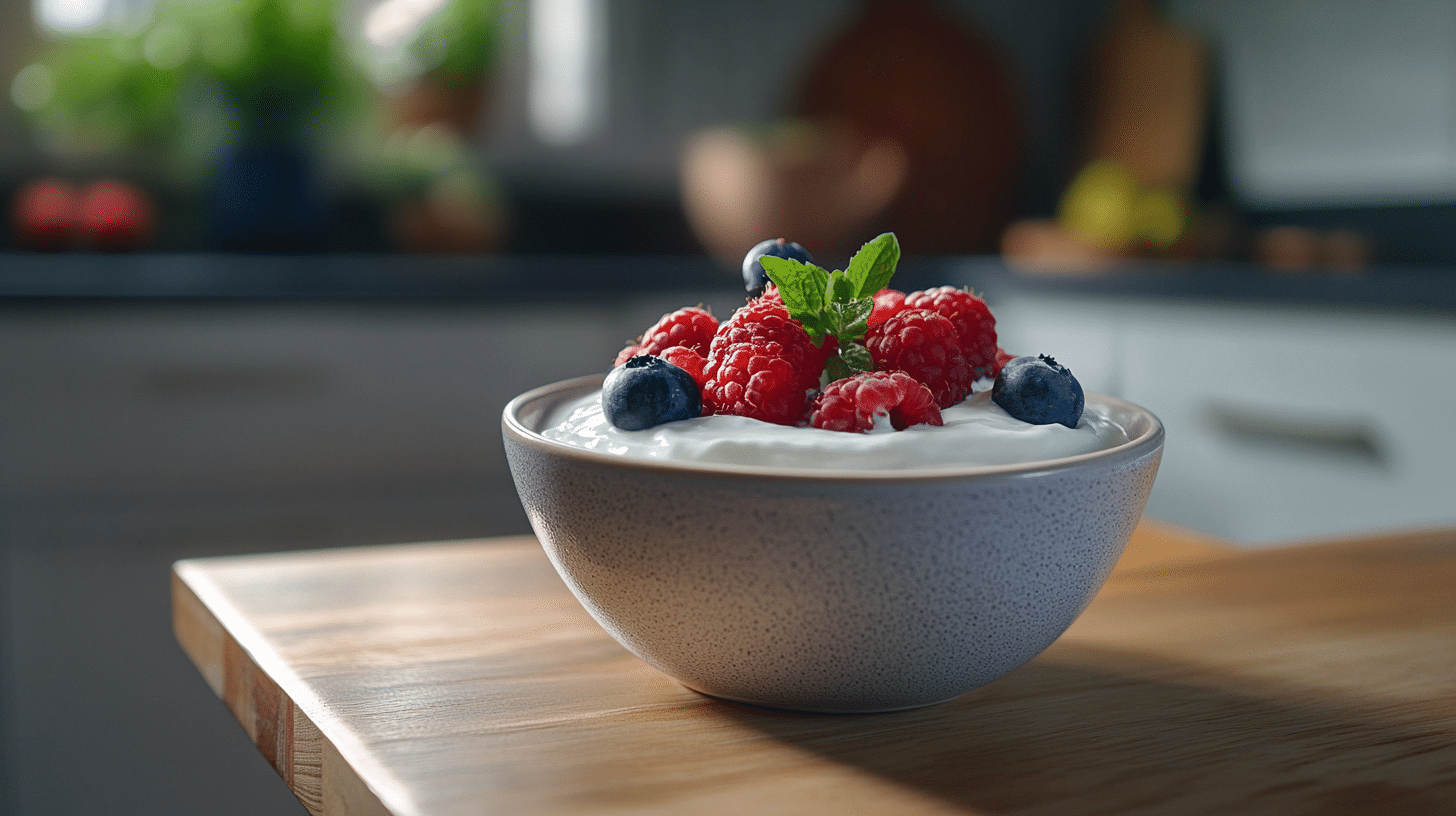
[810, 709]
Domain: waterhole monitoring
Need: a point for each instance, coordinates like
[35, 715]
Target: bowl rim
[1150, 440]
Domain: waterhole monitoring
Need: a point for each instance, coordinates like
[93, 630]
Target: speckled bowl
[845, 591]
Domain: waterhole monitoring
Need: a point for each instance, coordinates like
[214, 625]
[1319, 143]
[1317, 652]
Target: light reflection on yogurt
[976, 433]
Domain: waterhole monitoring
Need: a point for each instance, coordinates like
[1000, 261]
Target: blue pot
[267, 198]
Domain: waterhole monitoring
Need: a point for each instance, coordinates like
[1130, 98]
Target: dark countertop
[345, 278]
[1428, 290]
[54, 280]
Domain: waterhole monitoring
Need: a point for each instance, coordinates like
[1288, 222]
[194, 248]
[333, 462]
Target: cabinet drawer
[1286, 424]
[179, 400]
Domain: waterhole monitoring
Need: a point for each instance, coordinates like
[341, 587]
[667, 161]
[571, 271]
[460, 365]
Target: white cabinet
[186, 401]
[1283, 423]
[1087, 341]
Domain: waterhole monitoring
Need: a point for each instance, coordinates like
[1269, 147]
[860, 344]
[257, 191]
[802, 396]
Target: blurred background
[1292, 134]
[270, 269]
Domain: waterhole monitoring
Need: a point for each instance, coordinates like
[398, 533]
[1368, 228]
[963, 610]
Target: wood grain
[462, 678]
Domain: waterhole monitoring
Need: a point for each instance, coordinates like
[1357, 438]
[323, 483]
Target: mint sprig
[837, 303]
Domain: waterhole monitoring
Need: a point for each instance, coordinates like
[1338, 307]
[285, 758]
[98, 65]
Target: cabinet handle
[1349, 438]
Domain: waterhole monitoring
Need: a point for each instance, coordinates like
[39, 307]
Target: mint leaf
[857, 357]
[872, 267]
[837, 303]
[802, 286]
[841, 288]
[835, 368]
[852, 318]
[819, 325]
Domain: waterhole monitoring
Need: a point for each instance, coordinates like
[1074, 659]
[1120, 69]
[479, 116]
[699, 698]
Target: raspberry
[853, 404]
[688, 360]
[1002, 358]
[755, 311]
[767, 324]
[690, 327]
[924, 345]
[888, 303]
[627, 353]
[755, 379]
[762, 364]
[972, 320]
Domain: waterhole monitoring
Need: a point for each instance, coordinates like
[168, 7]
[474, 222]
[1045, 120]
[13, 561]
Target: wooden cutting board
[462, 678]
[1148, 97]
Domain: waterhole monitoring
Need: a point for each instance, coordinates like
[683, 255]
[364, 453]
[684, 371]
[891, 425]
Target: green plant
[100, 94]
[266, 68]
[275, 62]
[458, 43]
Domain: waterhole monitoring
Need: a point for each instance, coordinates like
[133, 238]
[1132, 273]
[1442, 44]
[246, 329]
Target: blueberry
[647, 391]
[754, 279]
[1039, 390]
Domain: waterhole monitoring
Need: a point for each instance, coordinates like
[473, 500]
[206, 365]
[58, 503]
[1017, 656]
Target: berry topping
[926, 346]
[807, 325]
[755, 379]
[972, 320]
[647, 391]
[763, 311]
[754, 279]
[1002, 358]
[627, 353]
[857, 403]
[888, 303]
[767, 325]
[688, 360]
[1039, 390]
[691, 327]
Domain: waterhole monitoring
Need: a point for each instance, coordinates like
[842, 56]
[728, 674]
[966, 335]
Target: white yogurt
[976, 433]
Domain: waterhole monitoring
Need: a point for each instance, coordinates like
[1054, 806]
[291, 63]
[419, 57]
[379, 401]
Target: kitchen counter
[462, 677]
[1416, 289]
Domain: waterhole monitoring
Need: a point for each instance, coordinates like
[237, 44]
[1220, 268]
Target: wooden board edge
[344, 792]
[285, 736]
[309, 763]
[197, 631]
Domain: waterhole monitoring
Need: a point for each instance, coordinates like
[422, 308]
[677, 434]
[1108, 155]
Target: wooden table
[462, 678]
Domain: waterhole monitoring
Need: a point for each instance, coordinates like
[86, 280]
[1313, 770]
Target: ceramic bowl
[840, 591]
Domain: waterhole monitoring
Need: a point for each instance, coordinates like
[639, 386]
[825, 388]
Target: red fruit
[888, 303]
[972, 319]
[626, 354]
[924, 345]
[767, 325]
[690, 327]
[854, 403]
[688, 360]
[114, 216]
[758, 379]
[46, 214]
[755, 312]
[1002, 358]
